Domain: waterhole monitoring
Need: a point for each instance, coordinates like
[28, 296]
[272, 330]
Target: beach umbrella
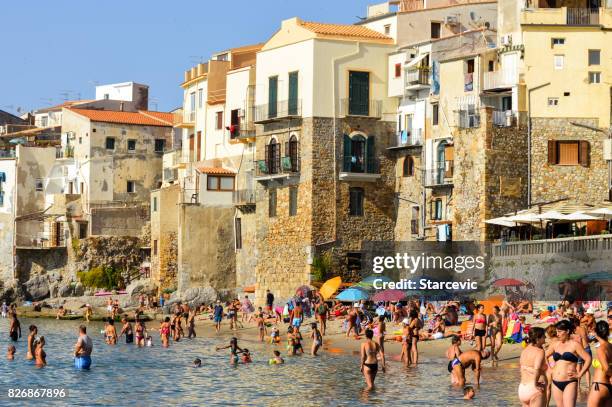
[580, 217]
[502, 221]
[352, 294]
[524, 218]
[551, 215]
[330, 286]
[367, 283]
[566, 277]
[508, 282]
[605, 212]
[303, 291]
[389, 295]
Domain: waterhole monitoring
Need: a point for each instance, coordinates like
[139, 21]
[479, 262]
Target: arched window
[273, 157]
[293, 152]
[408, 166]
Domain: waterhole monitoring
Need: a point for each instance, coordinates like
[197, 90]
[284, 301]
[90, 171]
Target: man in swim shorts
[83, 350]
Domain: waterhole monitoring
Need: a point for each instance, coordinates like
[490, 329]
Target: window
[435, 114]
[200, 98]
[292, 150]
[292, 105]
[387, 29]
[110, 143]
[491, 66]
[106, 96]
[82, 188]
[569, 152]
[44, 121]
[359, 154]
[436, 209]
[272, 155]
[218, 120]
[272, 96]
[131, 145]
[408, 170]
[414, 221]
[219, 183]
[238, 232]
[39, 184]
[160, 144]
[398, 70]
[558, 61]
[435, 29]
[192, 101]
[154, 204]
[558, 41]
[356, 201]
[470, 66]
[272, 203]
[359, 93]
[553, 101]
[80, 140]
[82, 230]
[234, 123]
[155, 247]
[131, 187]
[594, 57]
[594, 77]
[1, 198]
[293, 200]
[353, 263]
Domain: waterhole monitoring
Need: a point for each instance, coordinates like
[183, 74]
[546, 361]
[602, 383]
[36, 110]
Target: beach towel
[466, 329]
[514, 333]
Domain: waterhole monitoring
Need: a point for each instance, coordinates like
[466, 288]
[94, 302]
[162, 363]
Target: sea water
[128, 375]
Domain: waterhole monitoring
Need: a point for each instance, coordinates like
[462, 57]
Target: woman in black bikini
[480, 327]
[601, 389]
[15, 329]
[415, 326]
[565, 352]
[369, 359]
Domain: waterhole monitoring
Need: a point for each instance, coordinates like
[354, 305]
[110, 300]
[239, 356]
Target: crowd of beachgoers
[565, 345]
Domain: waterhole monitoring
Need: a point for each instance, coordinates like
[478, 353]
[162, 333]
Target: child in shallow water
[10, 354]
[277, 359]
[246, 356]
[149, 342]
[197, 362]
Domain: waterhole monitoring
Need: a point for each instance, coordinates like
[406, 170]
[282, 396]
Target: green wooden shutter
[370, 156]
[293, 94]
[272, 96]
[346, 160]
[359, 93]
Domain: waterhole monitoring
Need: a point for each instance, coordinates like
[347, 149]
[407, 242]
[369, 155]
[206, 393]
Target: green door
[359, 93]
[293, 94]
[272, 96]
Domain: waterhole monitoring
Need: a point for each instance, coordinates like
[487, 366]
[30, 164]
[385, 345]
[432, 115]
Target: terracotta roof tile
[344, 30]
[215, 170]
[68, 103]
[143, 118]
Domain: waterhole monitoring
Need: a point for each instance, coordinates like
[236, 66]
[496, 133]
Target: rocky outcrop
[194, 296]
[138, 287]
[112, 251]
[37, 288]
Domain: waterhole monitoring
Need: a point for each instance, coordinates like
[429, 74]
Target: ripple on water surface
[127, 375]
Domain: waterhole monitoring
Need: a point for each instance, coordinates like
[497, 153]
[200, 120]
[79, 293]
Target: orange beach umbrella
[330, 286]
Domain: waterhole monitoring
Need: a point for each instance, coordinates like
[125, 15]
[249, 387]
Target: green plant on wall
[321, 267]
[101, 277]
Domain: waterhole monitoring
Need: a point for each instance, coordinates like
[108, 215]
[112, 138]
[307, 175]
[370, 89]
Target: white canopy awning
[416, 60]
[580, 217]
[524, 218]
[551, 215]
[502, 221]
[605, 212]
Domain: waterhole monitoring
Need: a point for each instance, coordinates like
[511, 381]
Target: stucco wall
[7, 224]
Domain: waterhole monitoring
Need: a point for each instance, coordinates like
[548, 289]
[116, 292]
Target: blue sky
[56, 47]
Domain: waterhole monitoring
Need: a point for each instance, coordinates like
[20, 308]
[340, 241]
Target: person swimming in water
[10, 353]
[468, 393]
[369, 359]
[39, 353]
[277, 359]
[234, 350]
[532, 392]
[31, 338]
[197, 362]
[15, 327]
[127, 331]
[83, 349]
[164, 332]
[317, 339]
[600, 394]
[110, 333]
[141, 333]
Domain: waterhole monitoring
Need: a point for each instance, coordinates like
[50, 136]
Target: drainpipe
[335, 133]
[529, 139]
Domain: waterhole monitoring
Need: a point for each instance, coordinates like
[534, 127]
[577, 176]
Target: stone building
[325, 181]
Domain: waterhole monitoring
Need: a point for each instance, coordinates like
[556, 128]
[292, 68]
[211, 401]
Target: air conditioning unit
[451, 20]
[607, 147]
[506, 40]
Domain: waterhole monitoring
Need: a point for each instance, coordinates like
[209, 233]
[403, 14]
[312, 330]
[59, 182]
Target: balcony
[468, 119]
[499, 80]
[184, 119]
[359, 168]
[277, 167]
[408, 139]
[236, 132]
[417, 79]
[284, 109]
[565, 16]
[64, 153]
[440, 175]
[244, 199]
[503, 118]
[367, 109]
